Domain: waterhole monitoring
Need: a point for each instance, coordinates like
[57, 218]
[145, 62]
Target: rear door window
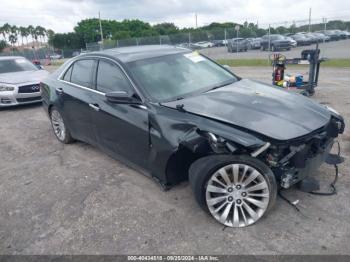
[82, 72]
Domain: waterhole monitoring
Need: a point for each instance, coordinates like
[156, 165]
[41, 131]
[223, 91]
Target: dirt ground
[74, 199]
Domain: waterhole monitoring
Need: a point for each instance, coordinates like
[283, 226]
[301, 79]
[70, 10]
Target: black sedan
[301, 39]
[274, 43]
[175, 115]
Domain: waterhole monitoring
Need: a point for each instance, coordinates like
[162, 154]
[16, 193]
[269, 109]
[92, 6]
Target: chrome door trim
[59, 78]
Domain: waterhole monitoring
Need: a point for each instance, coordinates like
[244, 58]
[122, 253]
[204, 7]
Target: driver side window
[110, 78]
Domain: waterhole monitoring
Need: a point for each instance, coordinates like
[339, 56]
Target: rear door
[76, 98]
[120, 128]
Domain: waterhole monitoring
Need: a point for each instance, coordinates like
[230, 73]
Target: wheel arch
[197, 144]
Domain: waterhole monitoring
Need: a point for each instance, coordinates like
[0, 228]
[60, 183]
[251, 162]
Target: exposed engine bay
[294, 160]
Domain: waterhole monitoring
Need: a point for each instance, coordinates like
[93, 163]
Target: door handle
[94, 107]
[59, 90]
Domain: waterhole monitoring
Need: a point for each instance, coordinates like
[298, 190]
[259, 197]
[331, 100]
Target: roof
[134, 53]
[11, 57]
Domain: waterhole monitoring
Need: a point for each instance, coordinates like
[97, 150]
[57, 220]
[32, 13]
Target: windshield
[16, 65]
[172, 77]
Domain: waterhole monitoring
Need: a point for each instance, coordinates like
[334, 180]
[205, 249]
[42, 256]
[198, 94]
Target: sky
[63, 15]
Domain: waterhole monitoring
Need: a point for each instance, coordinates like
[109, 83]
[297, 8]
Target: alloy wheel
[237, 195]
[58, 125]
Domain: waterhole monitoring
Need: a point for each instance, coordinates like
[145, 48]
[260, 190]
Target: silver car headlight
[4, 88]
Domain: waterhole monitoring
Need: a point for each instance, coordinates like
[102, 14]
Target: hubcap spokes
[58, 125]
[237, 195]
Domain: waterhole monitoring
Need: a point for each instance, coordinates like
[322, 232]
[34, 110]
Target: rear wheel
[236, 190]
[59, 127]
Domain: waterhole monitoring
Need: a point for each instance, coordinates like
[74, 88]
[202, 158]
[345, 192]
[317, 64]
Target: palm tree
[30, 29]
[49, 34]
[5, 30]
[2, 32]
[12, 39]
[23, 32]
[14, 32]
[40, 32]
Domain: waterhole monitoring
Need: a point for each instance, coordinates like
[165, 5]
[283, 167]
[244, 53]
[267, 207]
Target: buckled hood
[268, 110]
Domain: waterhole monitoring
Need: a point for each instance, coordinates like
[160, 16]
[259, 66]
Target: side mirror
[122, 97]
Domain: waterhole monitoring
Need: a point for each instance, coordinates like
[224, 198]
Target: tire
[232, 197]
[59, 127]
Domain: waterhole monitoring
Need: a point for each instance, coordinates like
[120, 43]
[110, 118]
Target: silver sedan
[19, 81]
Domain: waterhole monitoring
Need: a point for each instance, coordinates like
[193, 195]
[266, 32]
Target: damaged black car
[176, 115]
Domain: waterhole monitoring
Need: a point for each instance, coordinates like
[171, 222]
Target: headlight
[332, 110]
[4, 88]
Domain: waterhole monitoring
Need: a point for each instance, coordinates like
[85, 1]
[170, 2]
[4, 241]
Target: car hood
[268, 110]
[23, 77]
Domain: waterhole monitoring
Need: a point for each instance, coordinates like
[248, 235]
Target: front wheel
[236, 190]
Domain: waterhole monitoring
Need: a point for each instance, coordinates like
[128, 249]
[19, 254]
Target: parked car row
[273, 42]
[276, 42]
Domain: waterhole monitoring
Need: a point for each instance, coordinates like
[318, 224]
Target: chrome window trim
[82, 87]
[60, 76]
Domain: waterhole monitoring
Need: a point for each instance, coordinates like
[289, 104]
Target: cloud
[63, 15]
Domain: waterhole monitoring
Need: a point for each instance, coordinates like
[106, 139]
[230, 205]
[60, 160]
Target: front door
[121, 128]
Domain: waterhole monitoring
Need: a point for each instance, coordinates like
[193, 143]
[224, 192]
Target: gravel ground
[336, 49]
[74, 199]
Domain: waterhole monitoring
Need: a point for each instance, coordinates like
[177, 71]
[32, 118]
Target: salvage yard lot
[74, 199]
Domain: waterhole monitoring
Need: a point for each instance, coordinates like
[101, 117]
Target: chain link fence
[45, 55]
[220, 36]
[183, 39]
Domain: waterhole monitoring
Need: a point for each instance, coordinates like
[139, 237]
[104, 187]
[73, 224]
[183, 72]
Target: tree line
[16, 35]
[88, 31]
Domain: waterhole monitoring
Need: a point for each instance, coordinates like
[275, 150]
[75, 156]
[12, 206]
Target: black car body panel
[162, 139]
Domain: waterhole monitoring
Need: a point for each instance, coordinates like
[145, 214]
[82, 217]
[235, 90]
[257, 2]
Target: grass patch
[264, 62]
[243, 62]
[57, 62]
[337, 63]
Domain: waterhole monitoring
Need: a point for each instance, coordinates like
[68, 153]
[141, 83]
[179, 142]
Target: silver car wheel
[237, 195]
[58, 125]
